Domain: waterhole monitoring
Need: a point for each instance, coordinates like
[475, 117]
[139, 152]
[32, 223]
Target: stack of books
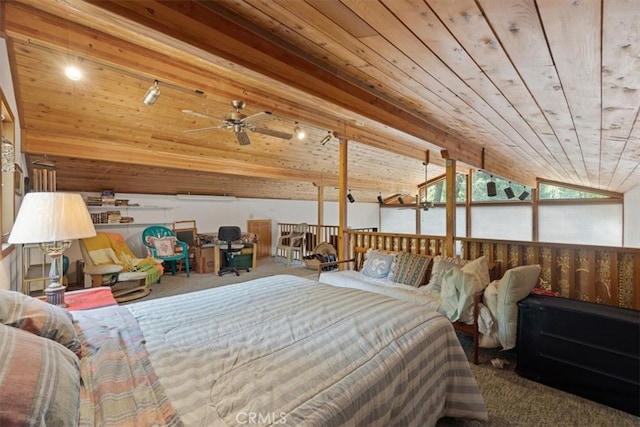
[94, 201]
[108, 198]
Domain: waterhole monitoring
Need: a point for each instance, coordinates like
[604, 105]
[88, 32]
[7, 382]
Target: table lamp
[52, 220]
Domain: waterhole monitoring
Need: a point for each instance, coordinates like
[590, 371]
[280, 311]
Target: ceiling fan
[239, 122]
[422, 202]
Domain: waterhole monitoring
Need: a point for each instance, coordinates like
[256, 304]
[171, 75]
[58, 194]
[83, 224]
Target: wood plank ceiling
[546, 88]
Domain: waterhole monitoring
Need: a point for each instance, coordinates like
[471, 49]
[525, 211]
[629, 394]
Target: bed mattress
[289, 350]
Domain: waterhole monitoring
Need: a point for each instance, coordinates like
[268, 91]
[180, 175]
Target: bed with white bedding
[277, 350]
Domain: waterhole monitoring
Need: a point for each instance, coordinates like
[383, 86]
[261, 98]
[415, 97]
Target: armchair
[110, 262]
[162, 243]
[292, 242]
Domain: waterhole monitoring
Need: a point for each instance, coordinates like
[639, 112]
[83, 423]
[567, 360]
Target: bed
[277, 350]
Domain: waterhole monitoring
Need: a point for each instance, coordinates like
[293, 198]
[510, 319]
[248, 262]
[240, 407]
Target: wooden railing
[315, 234]
[601, 274]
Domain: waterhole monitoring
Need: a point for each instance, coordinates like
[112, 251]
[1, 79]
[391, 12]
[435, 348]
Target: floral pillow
[377, 264]
[164, 246]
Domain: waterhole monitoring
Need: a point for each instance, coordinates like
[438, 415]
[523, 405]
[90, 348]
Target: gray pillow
[440, 266]
[377, 264]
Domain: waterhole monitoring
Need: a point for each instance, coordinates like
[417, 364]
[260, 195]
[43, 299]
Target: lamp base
[55, 294]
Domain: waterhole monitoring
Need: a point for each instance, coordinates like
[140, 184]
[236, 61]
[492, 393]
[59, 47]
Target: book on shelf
[108, 198]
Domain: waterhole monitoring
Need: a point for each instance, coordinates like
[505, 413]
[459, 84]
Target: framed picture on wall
[18, 183]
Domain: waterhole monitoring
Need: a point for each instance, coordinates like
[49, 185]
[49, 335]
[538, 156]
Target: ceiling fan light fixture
[350, 197]
[152, 95]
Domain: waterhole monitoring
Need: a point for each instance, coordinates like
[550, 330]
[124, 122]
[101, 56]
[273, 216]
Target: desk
[208, 259]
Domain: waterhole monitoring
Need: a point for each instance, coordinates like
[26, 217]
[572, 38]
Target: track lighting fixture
[326, 138]
[380, 201]
[300, 133]
[350, 197]
[524, 194]
[152, 94]
[509, 192]
[400, 200]
[491, 188]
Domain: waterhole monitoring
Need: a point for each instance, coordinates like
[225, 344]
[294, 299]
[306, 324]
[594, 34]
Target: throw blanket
[111, 248]
[119, 385]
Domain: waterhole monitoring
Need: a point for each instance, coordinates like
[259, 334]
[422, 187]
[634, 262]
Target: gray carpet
[511, 399]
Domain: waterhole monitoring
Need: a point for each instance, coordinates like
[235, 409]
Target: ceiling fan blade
[243, 138]
[197, 114]
[276, 133]
[256, 117]
[205, 129]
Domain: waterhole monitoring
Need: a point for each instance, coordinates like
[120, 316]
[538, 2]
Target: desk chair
[227, 236]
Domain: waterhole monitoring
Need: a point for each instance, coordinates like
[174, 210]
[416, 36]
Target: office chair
[226, 236]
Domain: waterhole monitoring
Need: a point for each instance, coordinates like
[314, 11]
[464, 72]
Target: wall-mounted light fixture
[380, 201]
[491, 188]
[152, 95]
[509, 192]
[300, 133]
[350, 197]
[524, 194]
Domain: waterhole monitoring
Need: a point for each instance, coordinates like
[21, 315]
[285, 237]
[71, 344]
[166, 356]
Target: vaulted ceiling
[523, 89]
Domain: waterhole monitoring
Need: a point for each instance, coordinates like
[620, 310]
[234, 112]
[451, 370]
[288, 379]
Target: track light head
[380, 201]
[509, 192]
[400, 200]
[491, 189]
[523, 195]
[152, 95]
[350, 197]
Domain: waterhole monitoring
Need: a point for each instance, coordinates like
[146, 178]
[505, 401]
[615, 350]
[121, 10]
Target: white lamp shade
[52, 217]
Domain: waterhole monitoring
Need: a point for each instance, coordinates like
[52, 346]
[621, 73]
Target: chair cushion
[164, 246]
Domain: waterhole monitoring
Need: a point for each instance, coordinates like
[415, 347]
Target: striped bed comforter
[291, 351]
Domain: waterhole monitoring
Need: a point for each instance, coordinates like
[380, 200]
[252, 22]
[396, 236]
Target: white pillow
[490, 298]
[480, 268]
[457, 291]
[514, 286]
[377, 264]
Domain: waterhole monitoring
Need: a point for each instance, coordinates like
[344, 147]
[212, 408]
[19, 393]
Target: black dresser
[587, 349]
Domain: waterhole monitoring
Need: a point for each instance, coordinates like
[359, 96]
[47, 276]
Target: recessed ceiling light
[73, 73]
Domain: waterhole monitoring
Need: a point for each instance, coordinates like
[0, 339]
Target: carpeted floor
[511, 399]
